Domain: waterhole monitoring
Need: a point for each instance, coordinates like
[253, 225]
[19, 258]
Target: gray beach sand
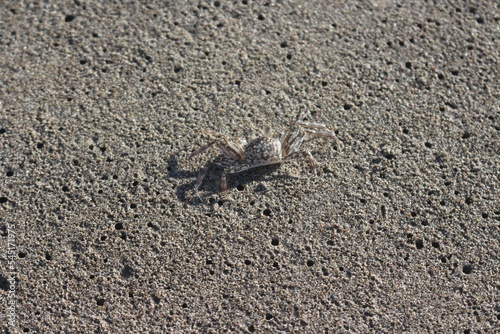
[101, 104]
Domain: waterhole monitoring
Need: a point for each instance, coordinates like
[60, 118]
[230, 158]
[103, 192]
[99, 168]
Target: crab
[269, 149]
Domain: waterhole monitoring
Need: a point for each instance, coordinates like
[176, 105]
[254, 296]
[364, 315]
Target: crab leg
[301, 154]
[322, 134]
[223, 182]
[316, 129]
[291, 141]
[311, 125]
[330, 135]
[199, 179]
[202, 149]
[227, 145]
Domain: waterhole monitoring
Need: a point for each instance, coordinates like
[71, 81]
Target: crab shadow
[211, 184]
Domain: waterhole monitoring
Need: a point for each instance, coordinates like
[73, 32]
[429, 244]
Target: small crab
[272, 148]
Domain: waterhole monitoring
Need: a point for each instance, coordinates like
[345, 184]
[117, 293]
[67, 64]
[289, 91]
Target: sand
[101, 104]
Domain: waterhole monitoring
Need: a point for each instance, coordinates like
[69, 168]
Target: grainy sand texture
[101, 103]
